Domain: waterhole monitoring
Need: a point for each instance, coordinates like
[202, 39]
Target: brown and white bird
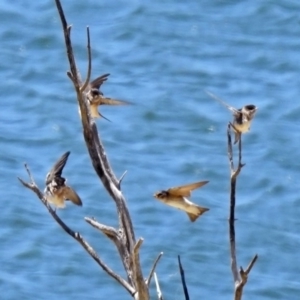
[242, 117]
[97, 98]
[56, 191]
[177, 197]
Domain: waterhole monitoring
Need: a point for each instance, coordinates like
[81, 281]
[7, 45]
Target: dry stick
[103, 168]
[159, 294]
[148, 280]
[240, 277]
[140, 284]
[185, 290]
[88, 76]
[76, 235]
[109, 231]
[113, 235]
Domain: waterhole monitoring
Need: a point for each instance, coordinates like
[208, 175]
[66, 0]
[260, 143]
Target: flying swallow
[177, 197]
[56, 191]
[242, 117]
[96, 97]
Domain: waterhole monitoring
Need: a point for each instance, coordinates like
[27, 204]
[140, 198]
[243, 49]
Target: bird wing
[110, 101]
[185, 190]
[231, 108]
[70, 194]
[96, 83]
[57, 169]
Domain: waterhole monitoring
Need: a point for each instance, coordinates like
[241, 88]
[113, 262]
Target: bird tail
[197, 213]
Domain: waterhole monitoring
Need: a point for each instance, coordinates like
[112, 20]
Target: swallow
[56, 191]
[177, 197]
[96, 97]
[242, 117]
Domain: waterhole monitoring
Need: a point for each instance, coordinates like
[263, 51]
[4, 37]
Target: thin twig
[109, 231]
[70, 53]
[121, 179]
[71, 77]
[88, 77]
[185, 289]
[251, 264]
[148, 280]
[230, 149]
[159, 294]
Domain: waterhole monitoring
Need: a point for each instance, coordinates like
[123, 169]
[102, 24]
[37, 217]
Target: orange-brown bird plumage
[177, 197]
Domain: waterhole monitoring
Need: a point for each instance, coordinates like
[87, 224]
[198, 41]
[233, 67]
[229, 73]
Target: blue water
[161, 56]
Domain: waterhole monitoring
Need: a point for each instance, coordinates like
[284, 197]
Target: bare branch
[76, 235]
[70, 54]
[232, 209]
[71, 77]
[185, 290]
[125, 240]
[251, 264]
[99, 148]
[109, 231]
[137, 246]
[116, 236]
[240, 277]
[121, 178]
[159, 294]
[138, 276]
[230, 152]
[148, 280]
[88, 77]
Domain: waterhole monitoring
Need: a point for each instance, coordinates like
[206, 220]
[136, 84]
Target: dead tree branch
[240, 277]
[185, 289]
[159, 294]
[125, 239]
[76, 235]
[148, 280]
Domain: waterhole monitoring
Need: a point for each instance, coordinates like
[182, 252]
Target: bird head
[161, 195]
[250, 110]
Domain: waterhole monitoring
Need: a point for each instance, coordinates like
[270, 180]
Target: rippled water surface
[161, 56]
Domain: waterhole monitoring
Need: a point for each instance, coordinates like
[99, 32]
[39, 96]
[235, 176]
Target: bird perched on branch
[242, 117]
[96, 97]
[177, 197]
[56, 191]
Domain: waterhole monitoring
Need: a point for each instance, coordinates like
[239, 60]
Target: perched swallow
[177, 197]
[241, 117]
[96, 97]
[56, 191]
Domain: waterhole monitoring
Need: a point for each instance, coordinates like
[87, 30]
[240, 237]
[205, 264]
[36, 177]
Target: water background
[161, 56]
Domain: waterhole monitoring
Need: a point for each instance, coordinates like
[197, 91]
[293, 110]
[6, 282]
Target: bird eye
[251, 107]
[163, 194]
[95, 92]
